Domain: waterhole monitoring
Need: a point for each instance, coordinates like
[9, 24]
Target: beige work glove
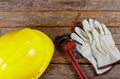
[84, 48]
[107, 43]
[102, 57]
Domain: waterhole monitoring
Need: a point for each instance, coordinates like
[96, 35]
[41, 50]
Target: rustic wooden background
[58, 17]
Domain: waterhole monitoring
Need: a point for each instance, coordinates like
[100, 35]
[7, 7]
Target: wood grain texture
[53, 32]
[45, 5]
[57, 18]
[64, 71]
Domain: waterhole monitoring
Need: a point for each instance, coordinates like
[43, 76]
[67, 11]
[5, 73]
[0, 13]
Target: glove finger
[98, 27]
[81, 33]
[106, 30]
[84, 34]
[91, 23]
[77, 38]
[87, 29]
[86, 26]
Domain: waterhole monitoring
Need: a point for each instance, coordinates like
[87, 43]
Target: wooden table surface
[59, 17]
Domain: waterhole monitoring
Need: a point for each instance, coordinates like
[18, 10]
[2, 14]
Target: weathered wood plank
[44, 5]
[53, 32]
[57, 71]
[57, 18]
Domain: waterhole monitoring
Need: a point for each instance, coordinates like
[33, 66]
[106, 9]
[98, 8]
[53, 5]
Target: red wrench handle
[68, 48]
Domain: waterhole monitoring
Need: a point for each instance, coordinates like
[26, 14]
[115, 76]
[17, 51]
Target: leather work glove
[107, 43]
[108, 51]
[84, 48]
[102, 57]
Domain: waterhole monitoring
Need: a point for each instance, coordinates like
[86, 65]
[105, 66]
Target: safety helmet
[24, 54]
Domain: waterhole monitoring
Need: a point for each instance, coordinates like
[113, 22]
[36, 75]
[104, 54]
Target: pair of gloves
[95, 43]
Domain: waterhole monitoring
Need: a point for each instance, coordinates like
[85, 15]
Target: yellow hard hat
[24, 54]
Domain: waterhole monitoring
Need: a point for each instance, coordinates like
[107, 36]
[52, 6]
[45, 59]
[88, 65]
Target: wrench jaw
[61, 40]
[69, 46]
[66, 42]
